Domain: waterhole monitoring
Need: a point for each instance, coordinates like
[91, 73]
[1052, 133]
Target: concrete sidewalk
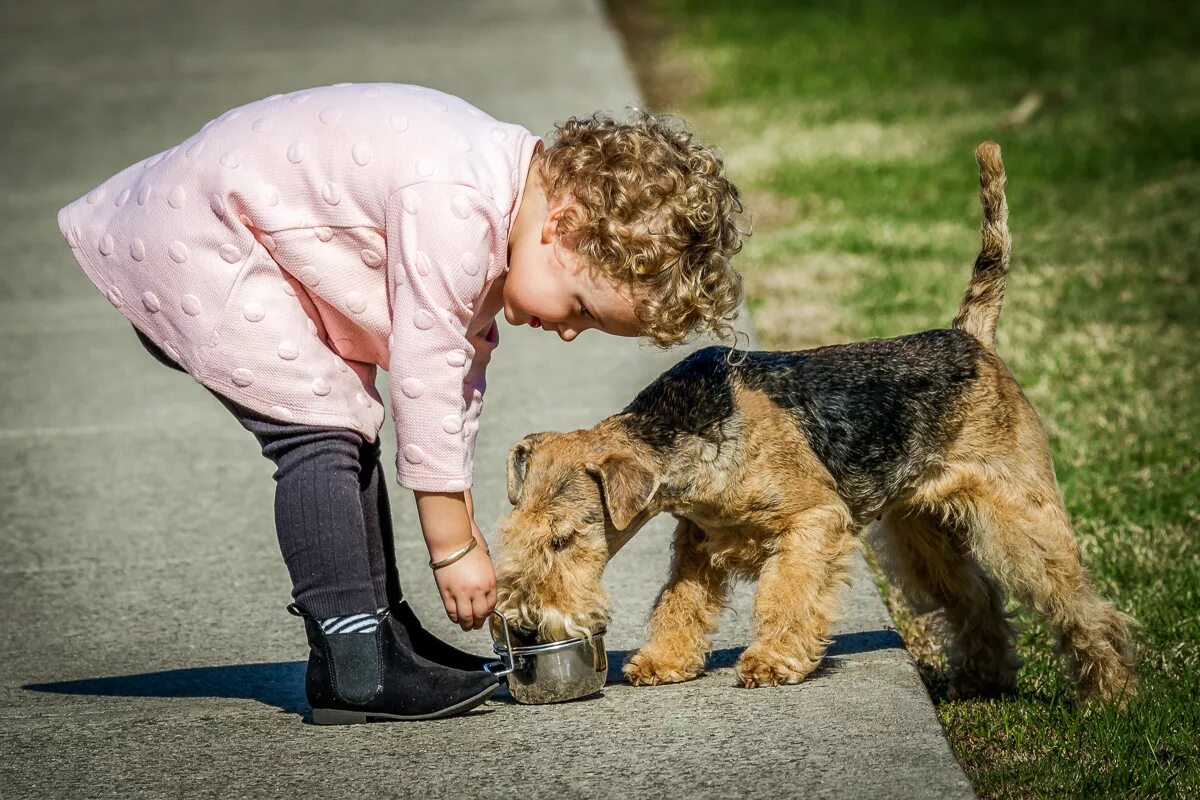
[145, 648]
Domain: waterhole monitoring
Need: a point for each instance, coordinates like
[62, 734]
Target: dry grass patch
[791, 299]
[669, 72]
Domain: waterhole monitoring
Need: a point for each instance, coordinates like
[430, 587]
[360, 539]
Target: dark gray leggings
[331, 510]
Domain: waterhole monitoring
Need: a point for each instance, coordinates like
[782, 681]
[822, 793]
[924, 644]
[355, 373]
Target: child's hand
[467, 586]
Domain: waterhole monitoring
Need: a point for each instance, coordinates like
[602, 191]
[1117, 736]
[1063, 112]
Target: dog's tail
[980, 307]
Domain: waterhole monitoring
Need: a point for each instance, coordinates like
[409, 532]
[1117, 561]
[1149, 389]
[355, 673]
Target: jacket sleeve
[443, 244]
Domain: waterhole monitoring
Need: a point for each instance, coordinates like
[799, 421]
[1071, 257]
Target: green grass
[854, 124]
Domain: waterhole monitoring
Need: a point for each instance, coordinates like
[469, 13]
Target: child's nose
[567, 334]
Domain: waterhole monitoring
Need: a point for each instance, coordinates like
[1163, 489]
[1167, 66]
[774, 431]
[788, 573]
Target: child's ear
[557, 208]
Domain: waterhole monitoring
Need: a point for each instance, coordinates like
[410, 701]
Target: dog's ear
[628, 486]
[518, 461]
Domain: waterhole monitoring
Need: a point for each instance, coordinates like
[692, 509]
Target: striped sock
[351, 623]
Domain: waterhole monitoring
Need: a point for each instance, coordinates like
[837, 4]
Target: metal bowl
[552, 672]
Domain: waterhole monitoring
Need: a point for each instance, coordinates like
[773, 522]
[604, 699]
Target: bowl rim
[549, 647]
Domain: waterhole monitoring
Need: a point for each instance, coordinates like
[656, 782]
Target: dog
[772, 462]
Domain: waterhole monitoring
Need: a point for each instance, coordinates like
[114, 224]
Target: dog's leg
[1022, 533]
[931, 565]
[796, 603]
[684, 615]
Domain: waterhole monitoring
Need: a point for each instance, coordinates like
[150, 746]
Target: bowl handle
[499, 668]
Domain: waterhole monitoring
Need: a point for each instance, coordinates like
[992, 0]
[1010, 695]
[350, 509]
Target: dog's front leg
[684, 615]
[796, 603]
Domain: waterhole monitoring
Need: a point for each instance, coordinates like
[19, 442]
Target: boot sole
[334, 716]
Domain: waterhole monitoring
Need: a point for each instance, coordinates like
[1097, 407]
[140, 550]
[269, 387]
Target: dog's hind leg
[936, 572]
[1019, 529]
[796, 603]
[684, 615]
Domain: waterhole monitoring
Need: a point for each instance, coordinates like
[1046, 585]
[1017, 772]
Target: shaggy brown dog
[772, 462]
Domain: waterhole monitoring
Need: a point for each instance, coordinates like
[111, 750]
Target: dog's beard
[529, 626]
[554, 625]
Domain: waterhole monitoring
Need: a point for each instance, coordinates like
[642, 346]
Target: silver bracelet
[455, 556]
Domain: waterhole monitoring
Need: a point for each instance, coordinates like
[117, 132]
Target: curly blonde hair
[652, 211]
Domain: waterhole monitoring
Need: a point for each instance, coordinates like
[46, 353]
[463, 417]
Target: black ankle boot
[365, 677]
[429, 646]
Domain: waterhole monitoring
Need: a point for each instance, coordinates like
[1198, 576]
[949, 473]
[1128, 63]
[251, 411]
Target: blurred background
[850, 126]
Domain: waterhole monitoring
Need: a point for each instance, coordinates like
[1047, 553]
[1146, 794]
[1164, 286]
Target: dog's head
[577, 497]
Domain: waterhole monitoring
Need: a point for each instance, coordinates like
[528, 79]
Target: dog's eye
[560, 541]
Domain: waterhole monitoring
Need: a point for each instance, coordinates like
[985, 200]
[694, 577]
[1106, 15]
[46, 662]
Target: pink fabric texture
[294, 245]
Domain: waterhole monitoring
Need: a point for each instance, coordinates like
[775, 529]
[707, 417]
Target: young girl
[293, 245]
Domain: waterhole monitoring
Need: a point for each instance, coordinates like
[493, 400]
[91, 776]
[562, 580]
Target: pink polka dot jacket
[294, 245]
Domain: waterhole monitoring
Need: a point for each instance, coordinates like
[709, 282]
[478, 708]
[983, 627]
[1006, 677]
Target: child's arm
[445, 242]
[468, 586]
[475, 527]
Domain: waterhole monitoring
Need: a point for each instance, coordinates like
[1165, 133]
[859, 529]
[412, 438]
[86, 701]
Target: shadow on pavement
[844, 644]
[279, 684]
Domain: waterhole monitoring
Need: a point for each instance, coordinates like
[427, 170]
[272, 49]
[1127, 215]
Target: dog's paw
[758, 669]
[646, 670]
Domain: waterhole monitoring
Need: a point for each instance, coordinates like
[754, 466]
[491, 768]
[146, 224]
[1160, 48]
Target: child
[293, 245]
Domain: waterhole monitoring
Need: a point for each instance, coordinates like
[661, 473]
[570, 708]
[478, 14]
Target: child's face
[549, 287]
